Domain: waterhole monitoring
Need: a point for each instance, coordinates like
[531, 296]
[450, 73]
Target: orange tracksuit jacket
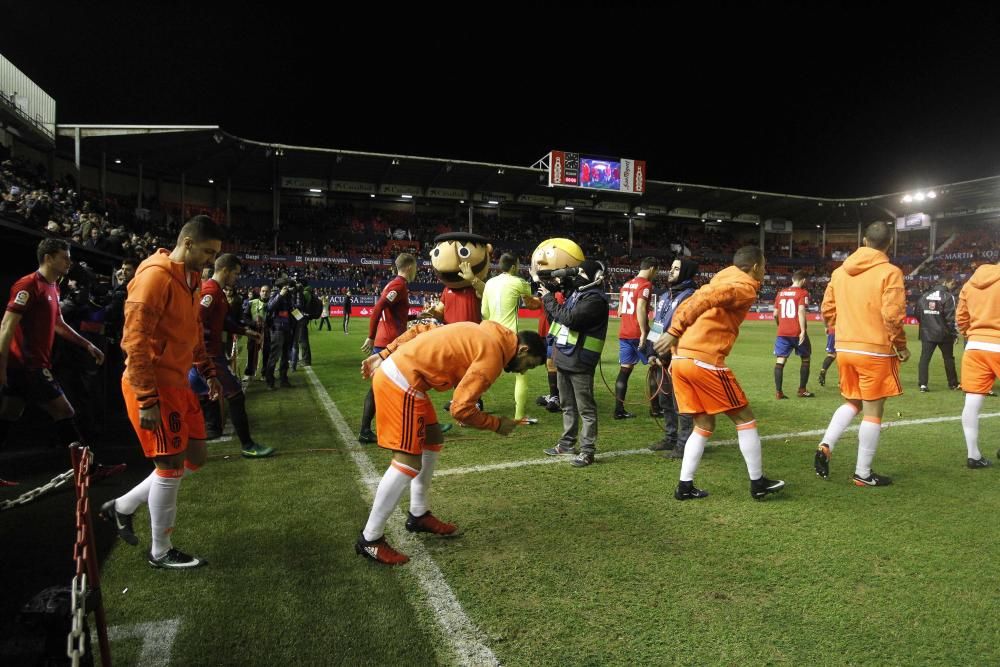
[707, 323]
[466, 356]
[163, 331]
[978, 312]
[866, 302]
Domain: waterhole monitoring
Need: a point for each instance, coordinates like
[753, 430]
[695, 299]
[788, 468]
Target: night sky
[827, 102]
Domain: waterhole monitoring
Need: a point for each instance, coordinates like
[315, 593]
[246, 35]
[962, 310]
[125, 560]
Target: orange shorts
[867, 378]
[979, 370]
[703, 389]
[402, 415]
[180, 420]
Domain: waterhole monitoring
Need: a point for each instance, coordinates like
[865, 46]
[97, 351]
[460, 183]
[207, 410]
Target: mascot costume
[462, 262]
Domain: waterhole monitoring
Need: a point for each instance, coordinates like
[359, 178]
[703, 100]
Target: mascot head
[452, 249]
[554, 254]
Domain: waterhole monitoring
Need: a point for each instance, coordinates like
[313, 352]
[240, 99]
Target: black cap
[461, 236]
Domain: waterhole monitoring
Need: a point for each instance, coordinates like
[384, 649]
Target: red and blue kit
[36, 300]
[391, 312]
[631, 292]
[786, 308]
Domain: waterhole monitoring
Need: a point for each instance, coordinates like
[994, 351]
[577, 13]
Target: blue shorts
[783, 346]
[376, 350]
[230, 385]
[629, 352]
[32, 385]
[831, 344]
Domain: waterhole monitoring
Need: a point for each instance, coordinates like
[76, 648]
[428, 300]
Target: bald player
[865, 302]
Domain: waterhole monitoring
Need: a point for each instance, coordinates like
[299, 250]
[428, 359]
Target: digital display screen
[600, 174]
[568, 169]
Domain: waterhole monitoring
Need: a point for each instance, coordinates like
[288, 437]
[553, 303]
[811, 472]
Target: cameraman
[579, 328]
[279, 313]
[84, 309]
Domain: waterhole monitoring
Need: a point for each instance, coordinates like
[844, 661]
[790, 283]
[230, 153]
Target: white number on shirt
[627, 305]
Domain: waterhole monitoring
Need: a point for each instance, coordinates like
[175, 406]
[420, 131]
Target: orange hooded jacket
[866, 302]
[978, 313]
[466, 356]
[707, 323]
[163, 332]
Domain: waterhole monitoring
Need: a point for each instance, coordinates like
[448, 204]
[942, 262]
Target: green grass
[593, 566]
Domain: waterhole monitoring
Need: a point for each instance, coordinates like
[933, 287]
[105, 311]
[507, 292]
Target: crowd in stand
[57, 209]
[342, 231]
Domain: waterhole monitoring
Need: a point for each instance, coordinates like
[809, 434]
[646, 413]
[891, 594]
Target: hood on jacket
[736, 275]
[863, 259]
[161, 260]
[985, 275]
[687, 272]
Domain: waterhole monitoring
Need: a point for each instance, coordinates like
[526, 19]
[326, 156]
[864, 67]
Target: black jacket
[936, 311]
[586, 312]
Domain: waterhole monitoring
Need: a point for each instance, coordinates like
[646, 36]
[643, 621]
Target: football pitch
[556, 565]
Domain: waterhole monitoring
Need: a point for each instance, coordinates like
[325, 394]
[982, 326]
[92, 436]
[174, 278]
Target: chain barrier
[76, 641]
[25, 498]
[85, 569]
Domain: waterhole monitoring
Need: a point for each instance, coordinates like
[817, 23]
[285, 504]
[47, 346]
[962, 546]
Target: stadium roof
[208, 152]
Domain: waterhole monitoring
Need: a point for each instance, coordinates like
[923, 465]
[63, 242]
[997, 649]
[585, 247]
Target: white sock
[163, 509]
[391, 487]
[750, 448]
[129, 503]
[868, 434]
[842, 418]
[970, 424]
[421, 484]
[693, 450]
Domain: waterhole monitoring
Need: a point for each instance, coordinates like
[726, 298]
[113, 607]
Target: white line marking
[630, 452]
[157, 640]
[465, 639]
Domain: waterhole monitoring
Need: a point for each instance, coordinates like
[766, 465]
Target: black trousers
[281, 348]
[947, 353]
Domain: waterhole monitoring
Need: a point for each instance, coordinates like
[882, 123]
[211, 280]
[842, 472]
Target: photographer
[281, 326]
[114, 322]
[579, 328]
[84, 308]
[308, 305]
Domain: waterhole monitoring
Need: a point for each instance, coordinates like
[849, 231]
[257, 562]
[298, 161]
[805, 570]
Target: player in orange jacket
[465, 356]
[866, 302]
[163, 338]
[703, 330]
[978, 319]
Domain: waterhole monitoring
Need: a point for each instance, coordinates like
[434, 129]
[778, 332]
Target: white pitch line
[157, 638]
[548, 460]
[466, 640]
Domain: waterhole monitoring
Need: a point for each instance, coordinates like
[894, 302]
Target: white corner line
[464, 638]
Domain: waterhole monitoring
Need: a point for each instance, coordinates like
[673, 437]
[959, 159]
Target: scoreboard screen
[596, 173]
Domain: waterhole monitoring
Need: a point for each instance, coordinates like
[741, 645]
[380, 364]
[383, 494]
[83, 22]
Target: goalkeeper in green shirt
[501, 299]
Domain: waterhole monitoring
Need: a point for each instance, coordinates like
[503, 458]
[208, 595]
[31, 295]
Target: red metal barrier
[87, 576]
